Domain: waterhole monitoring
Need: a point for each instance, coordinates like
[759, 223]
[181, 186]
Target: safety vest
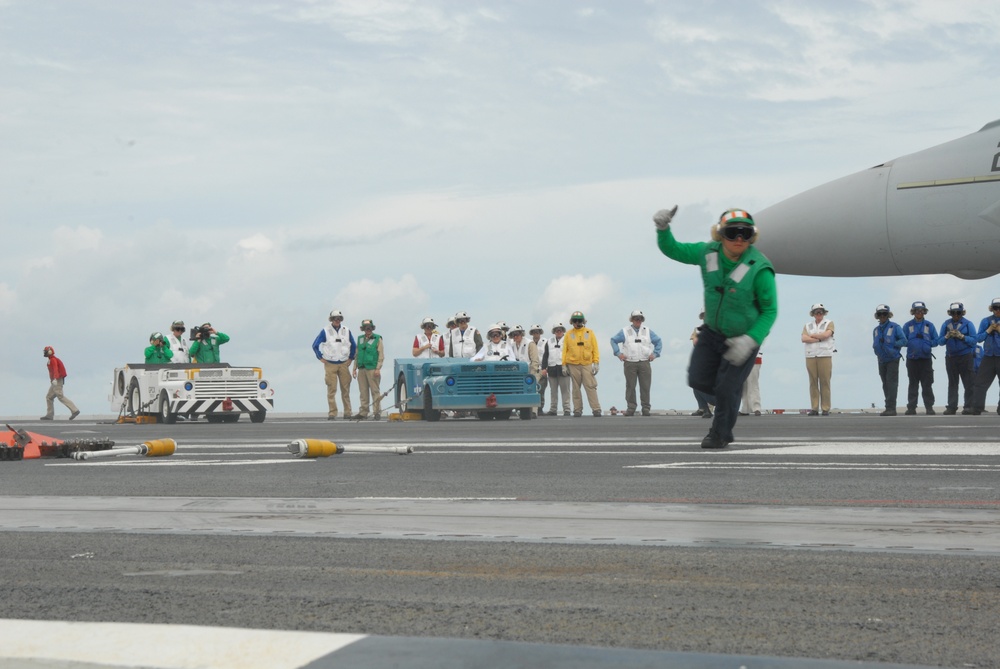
[434, 341]
[495, 351]
[554, 347]
[819, 349]
[179, 346]
[337, 347]
[959, 347]
[920, 337]
[638, 346]
[367, 353]
[730, 304]
[518, 352]
[463, 344]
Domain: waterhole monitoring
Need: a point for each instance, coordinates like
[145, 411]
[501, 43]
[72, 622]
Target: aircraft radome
[936, 211]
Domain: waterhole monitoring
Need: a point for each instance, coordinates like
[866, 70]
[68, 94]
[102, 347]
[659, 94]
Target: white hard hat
[336, 313]
[536, 328]
[514, 330]
[558, 326]
[637, 314]
[428, 321]
[817, 307]
[462, 314]
[495, 327]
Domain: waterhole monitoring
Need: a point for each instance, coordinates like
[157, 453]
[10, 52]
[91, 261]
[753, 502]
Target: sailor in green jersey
[741, 305]
[158, 352]
[205, 348]
[368, 370]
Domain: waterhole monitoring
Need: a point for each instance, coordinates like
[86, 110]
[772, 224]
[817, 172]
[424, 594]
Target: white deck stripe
[166, 646]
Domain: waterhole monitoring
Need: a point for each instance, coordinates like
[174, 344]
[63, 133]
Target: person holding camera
[158, 352]
[205, 343]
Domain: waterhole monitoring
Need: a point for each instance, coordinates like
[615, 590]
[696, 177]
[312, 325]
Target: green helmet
[577, 316]
[368, 323]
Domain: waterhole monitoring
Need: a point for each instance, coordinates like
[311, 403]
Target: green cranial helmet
[577, 316]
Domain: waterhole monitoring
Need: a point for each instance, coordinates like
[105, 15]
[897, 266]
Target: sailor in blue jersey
[958, 336]
[989, 367]
[921, 336]
[887, 340]
[335, 347]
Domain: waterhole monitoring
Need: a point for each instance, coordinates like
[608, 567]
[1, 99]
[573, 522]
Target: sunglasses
[180, 329]
[734, 232]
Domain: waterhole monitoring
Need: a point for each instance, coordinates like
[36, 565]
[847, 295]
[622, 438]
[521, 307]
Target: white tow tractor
[219, 391]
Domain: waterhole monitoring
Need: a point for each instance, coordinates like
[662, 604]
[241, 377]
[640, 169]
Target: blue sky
[256, 164]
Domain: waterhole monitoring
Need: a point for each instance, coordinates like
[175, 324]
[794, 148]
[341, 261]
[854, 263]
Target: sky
[258, 164]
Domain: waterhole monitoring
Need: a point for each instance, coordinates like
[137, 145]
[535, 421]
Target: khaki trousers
[368, 385]
[642, 372]
[338, 373]
[557, 385]
[56, 393]
[820, 370]
[582, 376]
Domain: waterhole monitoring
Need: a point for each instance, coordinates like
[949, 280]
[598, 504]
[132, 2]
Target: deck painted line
[939, 530]
[165, 646]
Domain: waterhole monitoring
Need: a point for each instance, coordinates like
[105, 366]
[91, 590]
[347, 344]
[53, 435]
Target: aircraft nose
[831, 230]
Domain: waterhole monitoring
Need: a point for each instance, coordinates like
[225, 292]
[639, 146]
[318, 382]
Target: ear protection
[734, 216]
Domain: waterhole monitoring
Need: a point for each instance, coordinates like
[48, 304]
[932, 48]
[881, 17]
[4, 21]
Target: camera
[200, 332]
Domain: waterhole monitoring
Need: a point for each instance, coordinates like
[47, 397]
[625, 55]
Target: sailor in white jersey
[465, 340]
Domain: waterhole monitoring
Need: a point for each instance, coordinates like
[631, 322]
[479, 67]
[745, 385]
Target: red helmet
[48, 350]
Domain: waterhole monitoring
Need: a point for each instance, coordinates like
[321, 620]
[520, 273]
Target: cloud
[254, 246]
[573, 80]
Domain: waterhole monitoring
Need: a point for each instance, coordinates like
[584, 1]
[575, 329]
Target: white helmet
[495, 327]
[460, 315]
[428, 321]
[558, 326]
[536, 328]
[637, 314]
[503, 326]
[336, 313]
[517, 329]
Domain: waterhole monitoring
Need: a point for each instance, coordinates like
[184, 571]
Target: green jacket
[741, 297]
[207, 352]
[159, 356]
[369, 355]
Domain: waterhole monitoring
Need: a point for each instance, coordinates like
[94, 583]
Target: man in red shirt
[57, 377]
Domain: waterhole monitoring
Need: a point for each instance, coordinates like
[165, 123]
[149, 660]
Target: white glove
[565, 370]
[663, 217]
[594, 368]
[740, 349]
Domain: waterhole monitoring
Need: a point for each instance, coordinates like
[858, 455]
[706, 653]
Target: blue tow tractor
[490, 389]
